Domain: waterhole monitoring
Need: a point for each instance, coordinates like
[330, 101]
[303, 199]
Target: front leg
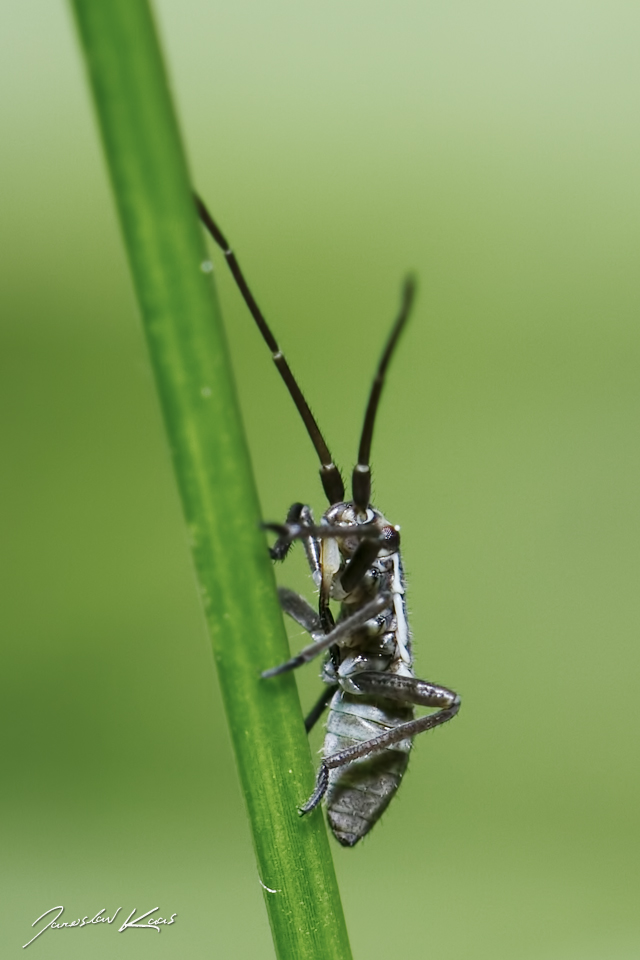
[283, 544]
[408, 690]
[372, 539]
[299, 517]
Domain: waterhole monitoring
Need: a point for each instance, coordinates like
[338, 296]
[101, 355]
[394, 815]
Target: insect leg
[407, 690]
[299, 518]
[339, 633]
[299, 610]
[323, 531]
[372, 540]
[303, 613]
[311, 545]
[283, 544]
[316, 712]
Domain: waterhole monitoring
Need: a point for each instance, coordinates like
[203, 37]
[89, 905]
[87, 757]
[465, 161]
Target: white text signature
[153, 923]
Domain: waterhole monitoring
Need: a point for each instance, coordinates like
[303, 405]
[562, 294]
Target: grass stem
[190, 362]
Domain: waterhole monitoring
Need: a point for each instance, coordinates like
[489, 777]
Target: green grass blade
[190, 361]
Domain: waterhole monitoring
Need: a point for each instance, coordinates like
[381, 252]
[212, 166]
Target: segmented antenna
[361, 479]
[329, 473]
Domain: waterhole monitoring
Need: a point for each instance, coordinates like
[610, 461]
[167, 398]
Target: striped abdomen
[360, 792]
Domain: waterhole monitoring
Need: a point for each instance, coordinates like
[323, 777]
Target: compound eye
[390, 537]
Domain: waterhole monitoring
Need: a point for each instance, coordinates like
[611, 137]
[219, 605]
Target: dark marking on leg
[283, 544]
[318, 709]
[322, 782]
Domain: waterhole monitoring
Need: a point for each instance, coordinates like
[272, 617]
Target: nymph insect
[354, 556]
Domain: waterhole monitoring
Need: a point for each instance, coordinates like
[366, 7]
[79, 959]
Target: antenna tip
[410, 285]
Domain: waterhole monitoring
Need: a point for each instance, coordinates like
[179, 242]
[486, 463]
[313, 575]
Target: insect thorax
[383, 643]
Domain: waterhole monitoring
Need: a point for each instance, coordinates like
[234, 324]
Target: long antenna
[329, 473]
[361, 479]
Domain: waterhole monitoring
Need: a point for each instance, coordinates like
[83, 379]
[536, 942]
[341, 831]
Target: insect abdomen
[360, 792]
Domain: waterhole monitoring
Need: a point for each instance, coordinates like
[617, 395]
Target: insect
[354, 557]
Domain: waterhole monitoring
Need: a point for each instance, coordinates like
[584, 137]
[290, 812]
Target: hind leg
[321, 705]
[407, 690]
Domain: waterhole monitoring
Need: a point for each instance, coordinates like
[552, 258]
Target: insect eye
[391, 538]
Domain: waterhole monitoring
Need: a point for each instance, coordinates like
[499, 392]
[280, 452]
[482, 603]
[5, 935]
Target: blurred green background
[494, 148]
